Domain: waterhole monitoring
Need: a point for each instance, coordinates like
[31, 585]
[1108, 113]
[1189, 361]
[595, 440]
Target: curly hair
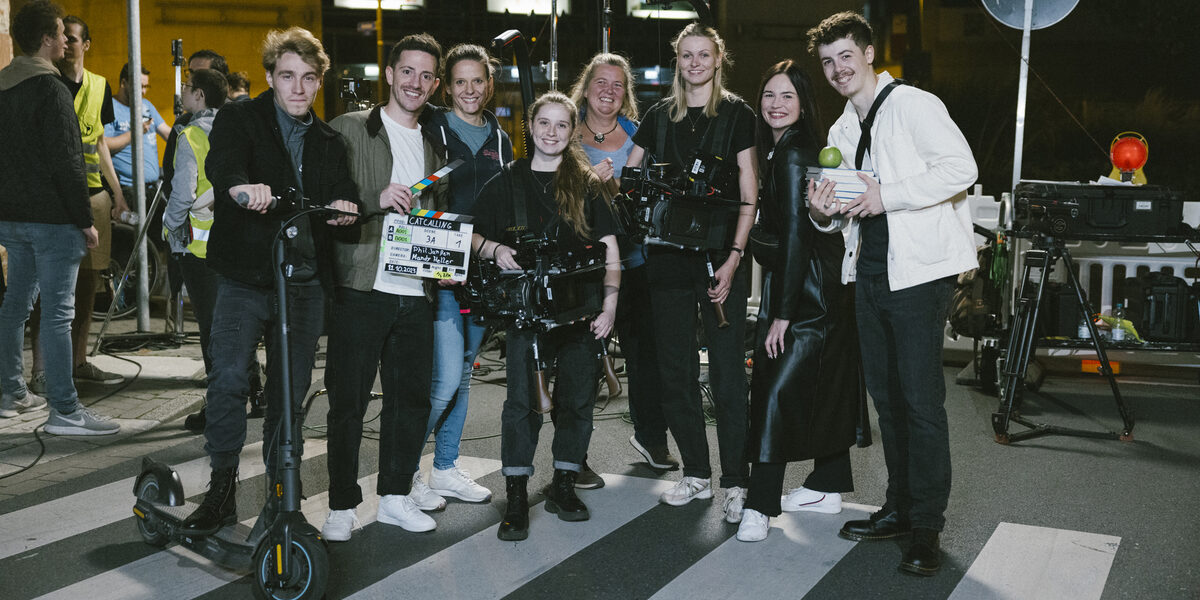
[846, 24]
[299, 41]
[33, 22]
[628, 101]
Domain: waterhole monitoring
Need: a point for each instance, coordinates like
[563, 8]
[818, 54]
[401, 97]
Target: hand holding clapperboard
[425, 243]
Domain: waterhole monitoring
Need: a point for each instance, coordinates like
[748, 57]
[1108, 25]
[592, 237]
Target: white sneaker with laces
[339, 524]
[403, 512]
[735, 500]
[457, 483]
[755, 526]
[804, 499]
[11, 406]
[425, 498]
[688, 489]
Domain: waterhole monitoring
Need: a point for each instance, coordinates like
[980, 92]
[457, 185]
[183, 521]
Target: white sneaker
[402, 511]
[339, 524]
[735, 500]
[804, 499]
[457, 483]
[754, 527]
[688, 489]
[11, 406]
[423, 497]
[81, 422]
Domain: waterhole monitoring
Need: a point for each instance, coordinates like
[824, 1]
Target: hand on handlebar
[253, 196]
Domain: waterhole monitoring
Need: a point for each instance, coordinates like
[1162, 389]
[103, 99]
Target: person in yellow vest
[189, 213]
[93, 107]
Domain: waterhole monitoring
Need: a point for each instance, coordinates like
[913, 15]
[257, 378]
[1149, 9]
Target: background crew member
[913, 235]
[473, 135]
[608, 111]
[382, 322]
[260, 149]
[560, 197]
[701, 115]
[117, 134]
[807, 386]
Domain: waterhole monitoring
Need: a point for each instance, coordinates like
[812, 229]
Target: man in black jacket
[260, 149]
[47, 220]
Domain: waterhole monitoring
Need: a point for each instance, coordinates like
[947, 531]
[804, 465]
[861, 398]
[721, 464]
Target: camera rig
[688, 212]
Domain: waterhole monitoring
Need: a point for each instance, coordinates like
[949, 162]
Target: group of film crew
[821, 345]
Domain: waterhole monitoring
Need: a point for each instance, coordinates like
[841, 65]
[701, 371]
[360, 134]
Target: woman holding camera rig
[702, 119]
[807, 386]
[553, 194]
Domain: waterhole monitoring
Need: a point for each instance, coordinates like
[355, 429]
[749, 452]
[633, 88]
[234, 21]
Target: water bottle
[130, 218]
[1118, 332]
[1084, 333]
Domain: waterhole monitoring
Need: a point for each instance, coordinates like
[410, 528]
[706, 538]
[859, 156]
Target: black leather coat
[808, 401]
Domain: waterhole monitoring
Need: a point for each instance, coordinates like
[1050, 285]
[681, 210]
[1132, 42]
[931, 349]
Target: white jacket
[925, 168]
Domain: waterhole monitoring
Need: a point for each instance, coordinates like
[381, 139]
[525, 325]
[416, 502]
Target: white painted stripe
[1023, 562]
[78, 513]
[498, 568]
[180, 573]
[800, 548]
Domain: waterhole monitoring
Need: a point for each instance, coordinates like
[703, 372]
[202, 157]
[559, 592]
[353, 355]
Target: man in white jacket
[908, 237]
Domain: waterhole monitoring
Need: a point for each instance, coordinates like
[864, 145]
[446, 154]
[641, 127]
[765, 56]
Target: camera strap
[864, 138]
[717, 145]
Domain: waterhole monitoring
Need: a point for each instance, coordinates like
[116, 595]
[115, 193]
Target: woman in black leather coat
[807, 387]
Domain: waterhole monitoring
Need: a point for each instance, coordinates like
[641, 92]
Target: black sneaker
[587, 479]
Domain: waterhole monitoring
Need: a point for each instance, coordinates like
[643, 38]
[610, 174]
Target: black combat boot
[562, 499]
[515, 526]
[924, 557]
[219, 507]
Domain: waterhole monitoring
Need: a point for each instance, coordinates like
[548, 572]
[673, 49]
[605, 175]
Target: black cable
[36, 459]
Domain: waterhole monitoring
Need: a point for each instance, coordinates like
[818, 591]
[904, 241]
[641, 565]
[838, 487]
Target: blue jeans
[900, 334]
[456, 339]
[242, 315]
[42, 258]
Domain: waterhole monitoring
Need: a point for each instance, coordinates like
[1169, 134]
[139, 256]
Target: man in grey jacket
[383, 322]
[47, 220]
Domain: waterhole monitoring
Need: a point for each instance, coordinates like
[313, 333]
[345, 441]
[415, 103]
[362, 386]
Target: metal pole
[137, 144]
[379, 50]
[553, 71]
[605, 25]
[1022, 88]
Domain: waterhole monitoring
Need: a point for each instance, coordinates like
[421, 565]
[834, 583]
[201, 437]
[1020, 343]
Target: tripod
[1022, 344]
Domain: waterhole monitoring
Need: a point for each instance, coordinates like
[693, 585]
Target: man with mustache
[909, 236]
[383, 322]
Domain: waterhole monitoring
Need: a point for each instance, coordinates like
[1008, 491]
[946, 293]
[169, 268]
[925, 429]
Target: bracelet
[738, 250]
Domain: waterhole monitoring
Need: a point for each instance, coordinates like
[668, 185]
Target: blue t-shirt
[474, 136]
[632, 255]
[123, 160]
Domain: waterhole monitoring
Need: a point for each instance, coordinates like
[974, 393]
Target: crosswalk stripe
[180, 573]
[1031, 563]
[36, 526]
[798, 551]
[498, 568]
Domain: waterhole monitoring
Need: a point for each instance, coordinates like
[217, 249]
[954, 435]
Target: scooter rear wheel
[309, 562]
[148, 489]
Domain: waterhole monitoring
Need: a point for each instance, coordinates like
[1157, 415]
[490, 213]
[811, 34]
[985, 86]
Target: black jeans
[374, 332]
[241, 316]
[831, 474]
[901, 336]
[201, 283]
[635, 325]
[679, 282]
[569, 352]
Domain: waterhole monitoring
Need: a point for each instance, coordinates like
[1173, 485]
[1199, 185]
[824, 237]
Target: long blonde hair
[574, 180]
[679, 104]
[628, 101]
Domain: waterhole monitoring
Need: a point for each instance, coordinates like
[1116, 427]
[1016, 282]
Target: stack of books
[847, 185]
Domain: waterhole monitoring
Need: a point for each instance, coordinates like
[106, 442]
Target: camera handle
[610, 372]
[542, 401]
[719, 307]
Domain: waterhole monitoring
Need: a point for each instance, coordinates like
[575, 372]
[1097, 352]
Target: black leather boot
[515, 526]
[562, 499]
[924, 557]
[883, 524]
[219, 507]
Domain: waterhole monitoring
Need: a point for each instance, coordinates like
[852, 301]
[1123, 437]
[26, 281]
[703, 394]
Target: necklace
[693, 122]
[545, 184]
[599, 137]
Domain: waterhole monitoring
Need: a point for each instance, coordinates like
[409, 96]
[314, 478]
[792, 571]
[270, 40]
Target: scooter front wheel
[308, 561]
[148, 489]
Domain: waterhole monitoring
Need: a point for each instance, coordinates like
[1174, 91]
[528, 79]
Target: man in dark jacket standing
[260, 149]
[45, 220]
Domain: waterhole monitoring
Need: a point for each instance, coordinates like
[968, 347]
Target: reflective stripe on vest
[88, 104]
[203, 193]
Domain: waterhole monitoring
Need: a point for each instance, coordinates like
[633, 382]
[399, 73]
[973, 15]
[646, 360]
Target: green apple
[830, 157]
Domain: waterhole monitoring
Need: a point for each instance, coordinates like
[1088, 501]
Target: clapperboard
[425, 243]
[847, 184]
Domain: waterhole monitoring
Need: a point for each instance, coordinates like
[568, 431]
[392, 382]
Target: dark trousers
[242, 315]
[635, 325]
[901, 336]
[201, 283]
[570, 353]
[830, 474]
[374, 332]
[680, 283]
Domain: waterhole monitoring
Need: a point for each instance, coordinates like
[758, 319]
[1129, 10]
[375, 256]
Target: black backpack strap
[726, 119]
[864, 138]
[520, 206]
[661, 121]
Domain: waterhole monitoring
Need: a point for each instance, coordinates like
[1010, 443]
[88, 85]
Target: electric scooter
[285, 554]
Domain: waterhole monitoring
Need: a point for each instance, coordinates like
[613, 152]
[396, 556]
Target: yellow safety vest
[200, 216]
[89, 102]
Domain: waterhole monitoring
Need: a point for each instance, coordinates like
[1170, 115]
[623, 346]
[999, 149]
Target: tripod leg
[1021, 344]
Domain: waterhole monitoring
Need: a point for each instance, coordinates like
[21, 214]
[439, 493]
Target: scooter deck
[231, 546]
